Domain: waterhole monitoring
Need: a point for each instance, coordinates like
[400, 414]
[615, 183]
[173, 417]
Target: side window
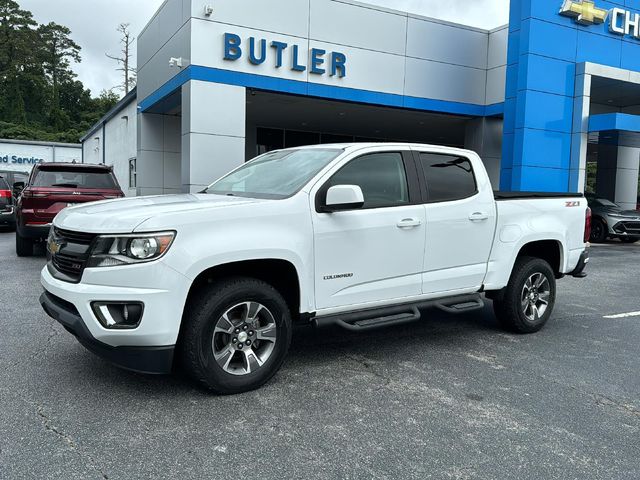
[133, 174]
[448, 177]
[381, 176]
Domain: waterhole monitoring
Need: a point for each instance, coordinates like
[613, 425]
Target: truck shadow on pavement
[312, 352]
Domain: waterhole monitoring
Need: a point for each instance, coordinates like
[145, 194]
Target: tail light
[587, 225]
[5, 193]
[30, 194]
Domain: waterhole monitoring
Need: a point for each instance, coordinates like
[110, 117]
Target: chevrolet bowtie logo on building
[585, 12]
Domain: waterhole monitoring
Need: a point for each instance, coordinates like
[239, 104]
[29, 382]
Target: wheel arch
[280, 274]
[549, 250]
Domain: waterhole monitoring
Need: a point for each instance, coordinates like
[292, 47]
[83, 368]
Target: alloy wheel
[535, 297]
[244, 338]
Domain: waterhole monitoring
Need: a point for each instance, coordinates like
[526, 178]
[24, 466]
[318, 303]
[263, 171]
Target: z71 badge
[572, 204]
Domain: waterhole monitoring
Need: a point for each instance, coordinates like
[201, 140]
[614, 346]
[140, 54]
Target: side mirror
[344, 197]
[17, 188]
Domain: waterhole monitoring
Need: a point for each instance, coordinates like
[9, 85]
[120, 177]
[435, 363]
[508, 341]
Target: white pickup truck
[358, 235]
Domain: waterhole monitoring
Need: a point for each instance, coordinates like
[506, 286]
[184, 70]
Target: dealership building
[18, 157]
[221, 81]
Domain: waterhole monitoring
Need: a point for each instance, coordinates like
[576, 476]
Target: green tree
[17, 37]
[57, 52]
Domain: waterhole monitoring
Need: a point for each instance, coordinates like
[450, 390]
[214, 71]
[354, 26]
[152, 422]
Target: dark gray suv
[612, 221]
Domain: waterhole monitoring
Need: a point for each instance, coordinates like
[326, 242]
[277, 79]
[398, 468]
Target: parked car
[52, 187]
[356, 235]
[12, 177]
[7, 211]
[612, 221]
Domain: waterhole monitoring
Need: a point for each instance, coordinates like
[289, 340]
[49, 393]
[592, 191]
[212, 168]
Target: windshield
[75, 179]
[604, 202]
[276, 174]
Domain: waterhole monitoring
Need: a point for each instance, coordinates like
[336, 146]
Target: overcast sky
[93, 24]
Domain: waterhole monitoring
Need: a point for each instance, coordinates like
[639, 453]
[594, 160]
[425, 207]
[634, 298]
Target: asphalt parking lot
[449, 397]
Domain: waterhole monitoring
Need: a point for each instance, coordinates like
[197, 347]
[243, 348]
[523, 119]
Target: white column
[158, 158]
[627, 177]
[484, 136]
[150, 159]
[213, 132]
[580, 131]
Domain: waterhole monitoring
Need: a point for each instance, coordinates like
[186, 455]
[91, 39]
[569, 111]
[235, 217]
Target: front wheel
[598, 231]
[236, 335]
[529, 297]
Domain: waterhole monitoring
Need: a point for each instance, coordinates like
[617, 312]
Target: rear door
[375, 253]
[461, 221]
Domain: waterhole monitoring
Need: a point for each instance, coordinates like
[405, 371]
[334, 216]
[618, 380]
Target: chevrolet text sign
[585, 12]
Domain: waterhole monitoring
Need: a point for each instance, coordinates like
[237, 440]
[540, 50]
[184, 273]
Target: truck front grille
[73, 252]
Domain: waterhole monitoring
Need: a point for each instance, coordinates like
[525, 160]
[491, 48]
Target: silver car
[612, 221]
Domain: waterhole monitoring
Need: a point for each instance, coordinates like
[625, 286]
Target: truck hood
[124, 215]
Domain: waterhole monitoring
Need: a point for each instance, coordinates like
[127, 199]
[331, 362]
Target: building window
[133, 176]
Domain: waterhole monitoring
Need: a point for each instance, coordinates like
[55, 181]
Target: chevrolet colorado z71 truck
[358, 235]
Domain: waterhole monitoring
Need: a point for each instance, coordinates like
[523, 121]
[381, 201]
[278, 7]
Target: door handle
[409, 223]
[478, 217]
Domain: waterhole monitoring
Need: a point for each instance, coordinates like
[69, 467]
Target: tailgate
[47, 203]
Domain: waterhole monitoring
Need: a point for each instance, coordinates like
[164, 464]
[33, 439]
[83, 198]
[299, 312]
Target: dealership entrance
[614, 136]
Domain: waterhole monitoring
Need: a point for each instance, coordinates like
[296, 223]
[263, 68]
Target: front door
[374, 253]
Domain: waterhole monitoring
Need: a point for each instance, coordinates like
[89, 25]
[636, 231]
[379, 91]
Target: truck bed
[500, 195]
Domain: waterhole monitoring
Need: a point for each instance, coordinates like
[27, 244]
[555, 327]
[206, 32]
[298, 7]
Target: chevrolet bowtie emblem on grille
[584, 12]
[54, 246]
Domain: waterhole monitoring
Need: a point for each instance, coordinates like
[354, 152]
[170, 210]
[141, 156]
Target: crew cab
[356, 235]
[52, 187]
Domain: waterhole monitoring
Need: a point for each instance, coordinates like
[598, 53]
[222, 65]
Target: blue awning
[620, 129]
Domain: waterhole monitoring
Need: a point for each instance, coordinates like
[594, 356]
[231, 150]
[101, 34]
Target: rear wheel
[629, 239]
[236, 335]
[529, 297]
[598, 231]
[24, 246]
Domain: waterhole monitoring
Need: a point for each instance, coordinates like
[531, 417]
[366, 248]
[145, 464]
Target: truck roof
[361, 145]
[73, 166]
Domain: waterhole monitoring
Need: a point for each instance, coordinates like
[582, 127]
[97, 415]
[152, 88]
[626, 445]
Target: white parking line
[624, 315]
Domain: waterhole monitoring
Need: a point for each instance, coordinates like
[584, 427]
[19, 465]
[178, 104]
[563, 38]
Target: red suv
[52, 187]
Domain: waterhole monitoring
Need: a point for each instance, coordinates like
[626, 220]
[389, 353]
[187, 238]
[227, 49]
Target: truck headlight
[116, 250]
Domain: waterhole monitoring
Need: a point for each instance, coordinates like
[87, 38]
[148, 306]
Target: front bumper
[154, 360]
[164, 295]
[626, 228]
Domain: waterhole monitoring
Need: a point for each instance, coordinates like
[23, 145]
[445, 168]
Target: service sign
[620, 21]
[9, 159]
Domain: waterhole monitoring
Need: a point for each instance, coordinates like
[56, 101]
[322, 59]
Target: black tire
[197, 337]
[599, 232]
[629, 239]
[509, 309]
[24, 246]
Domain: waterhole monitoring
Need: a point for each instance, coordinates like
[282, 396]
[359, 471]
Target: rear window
[75, 179]
[449, 178]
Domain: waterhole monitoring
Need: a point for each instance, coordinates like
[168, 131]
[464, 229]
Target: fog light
[118, 315]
